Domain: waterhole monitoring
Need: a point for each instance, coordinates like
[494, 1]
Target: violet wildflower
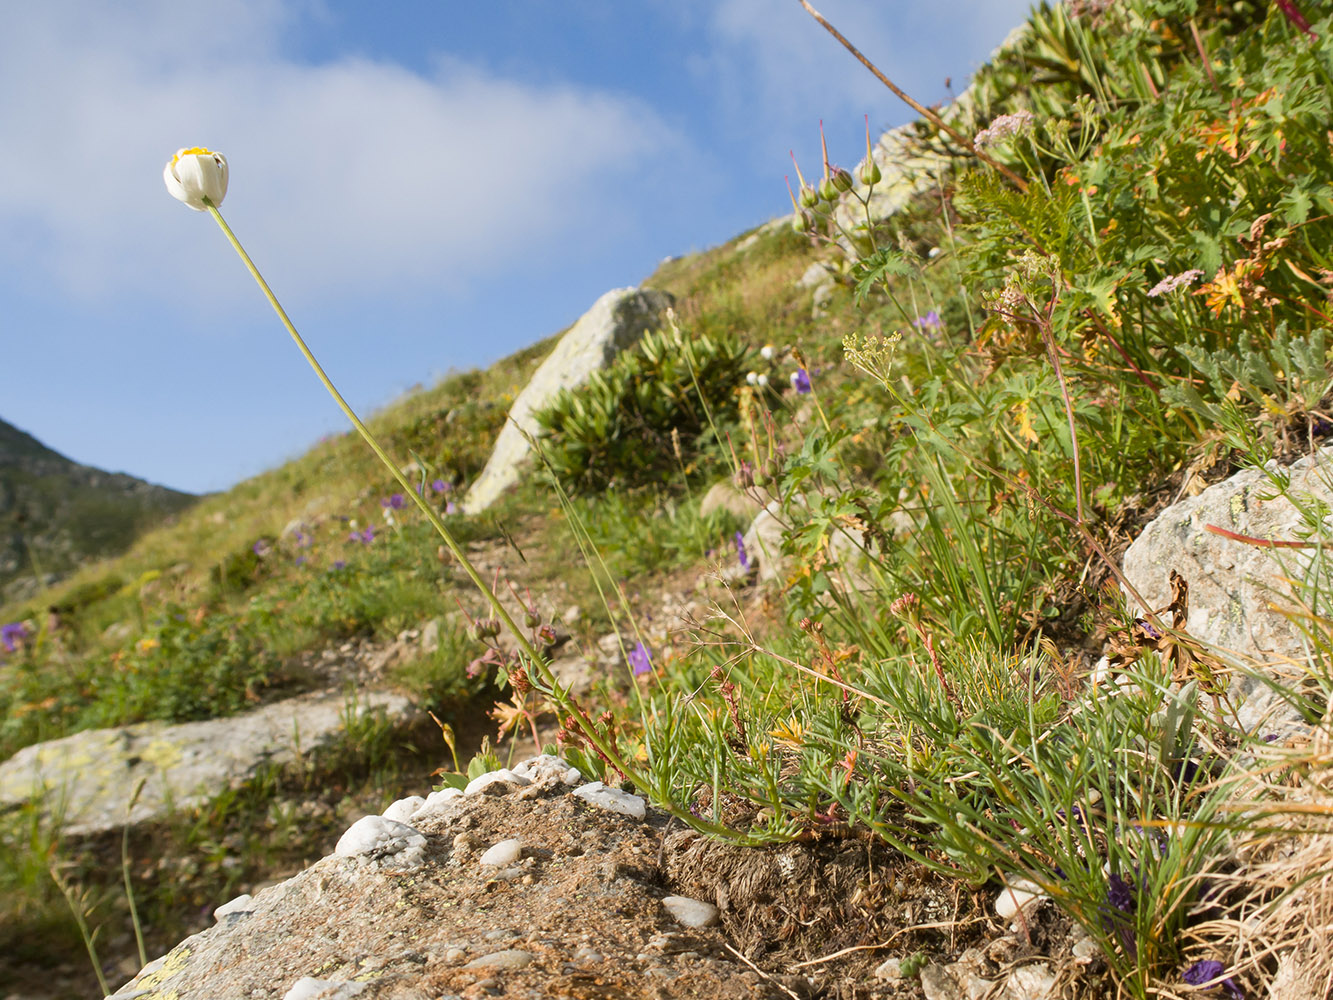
[1208, 970]
[12, 635]
[300, 560]
[1174, 281]
[438, 486]
[339, 564]
[800, 381]
[450, 507]
[931, 321]
[1149, 629]
[397, 501]
[1118, 912]
[741, 554]
[640, 660]
[260, 548]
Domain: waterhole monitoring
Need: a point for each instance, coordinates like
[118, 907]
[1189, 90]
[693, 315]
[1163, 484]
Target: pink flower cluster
[1174, 281]
[1021, 122]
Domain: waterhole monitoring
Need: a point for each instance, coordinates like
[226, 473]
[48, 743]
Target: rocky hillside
[893, 591]
[56, 514]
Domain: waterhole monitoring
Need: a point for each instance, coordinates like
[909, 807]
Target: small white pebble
[691, 912]
[239, 905]
[307, 988]
[402, 810]
[506, 852]
[510, 958]
[890, 969]
[436, 801]
[381, 839]
[1030, 982]
[548, 767]
[502, 776]
[1018, 895]
[611, 799]
[1085, 950]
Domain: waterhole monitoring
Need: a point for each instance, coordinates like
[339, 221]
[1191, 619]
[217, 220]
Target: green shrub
[655, 413]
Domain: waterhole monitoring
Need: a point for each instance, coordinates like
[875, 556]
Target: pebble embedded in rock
[495, 782]
[402, 810]
[455, 956]
[611, 799]
[238, 907]
[510, 958]
[308, 988]
[436, 801]
[381, 839]
[505, 853]
[691, 912]
[548, 768]
[587, 956]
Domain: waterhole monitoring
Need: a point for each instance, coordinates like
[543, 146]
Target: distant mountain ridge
[56, 514]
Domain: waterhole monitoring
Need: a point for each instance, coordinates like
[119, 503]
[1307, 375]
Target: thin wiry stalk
[916, 106]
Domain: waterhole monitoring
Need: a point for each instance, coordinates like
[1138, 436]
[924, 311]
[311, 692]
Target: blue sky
[427, 185]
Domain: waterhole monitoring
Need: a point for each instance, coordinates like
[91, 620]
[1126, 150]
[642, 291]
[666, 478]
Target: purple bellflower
[640, 660]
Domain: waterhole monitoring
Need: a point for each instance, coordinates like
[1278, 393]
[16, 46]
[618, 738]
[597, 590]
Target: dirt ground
[579, 914]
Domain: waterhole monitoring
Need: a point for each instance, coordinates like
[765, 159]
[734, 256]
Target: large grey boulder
[1242, 596]
[616, 321]
[86, 781]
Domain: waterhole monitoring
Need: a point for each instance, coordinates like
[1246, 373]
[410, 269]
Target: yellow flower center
[192, 151]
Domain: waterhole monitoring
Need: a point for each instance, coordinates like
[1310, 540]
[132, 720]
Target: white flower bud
[197, 176]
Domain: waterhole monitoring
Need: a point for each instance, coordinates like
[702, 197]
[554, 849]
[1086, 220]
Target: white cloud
[779, 71]
[350, 172]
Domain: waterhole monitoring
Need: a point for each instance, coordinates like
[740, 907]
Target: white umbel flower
[196, 174]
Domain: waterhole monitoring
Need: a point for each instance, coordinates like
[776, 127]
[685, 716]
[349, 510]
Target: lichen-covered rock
[89, 778]
[616, 321]
[1241, 602]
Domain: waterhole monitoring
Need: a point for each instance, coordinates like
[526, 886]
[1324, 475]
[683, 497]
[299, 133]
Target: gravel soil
[579, 913]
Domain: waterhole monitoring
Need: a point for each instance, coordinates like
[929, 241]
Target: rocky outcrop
[616, 321]
[515, 887]
[1244, 595]
[87, 781]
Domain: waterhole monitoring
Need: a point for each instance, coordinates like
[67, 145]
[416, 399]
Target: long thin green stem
[548, 681]
[375, 446]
